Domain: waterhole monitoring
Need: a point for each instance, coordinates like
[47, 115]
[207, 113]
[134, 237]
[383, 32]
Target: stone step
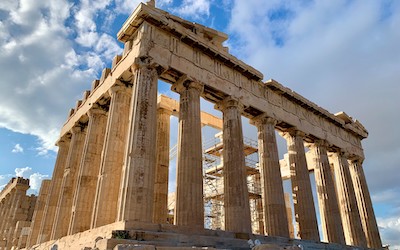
[182, 240]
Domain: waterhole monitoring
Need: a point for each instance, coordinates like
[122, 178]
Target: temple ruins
[109, 188]
[16, 211]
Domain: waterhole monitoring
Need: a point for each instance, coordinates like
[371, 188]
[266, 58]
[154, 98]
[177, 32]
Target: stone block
[115, 61]
[104, 74]
[133, 247]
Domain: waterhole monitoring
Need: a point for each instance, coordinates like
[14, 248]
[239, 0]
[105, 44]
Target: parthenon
[109, 188]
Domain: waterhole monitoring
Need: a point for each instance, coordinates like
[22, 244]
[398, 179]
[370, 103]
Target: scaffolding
[213, 184]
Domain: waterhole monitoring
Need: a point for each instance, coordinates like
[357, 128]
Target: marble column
[8, 199]
[352, 227]
[38, 213]
[54, 192]
[68, 184]
[82, 208]
[236, 195]
[2, 213]
[275, 219]
[328, 205]
[17, 212]
[160, 213]
[365, 205]
[137, 187]
[305, 215]
[189, 208]
[109, 181]
[8, 225]
[2, 207]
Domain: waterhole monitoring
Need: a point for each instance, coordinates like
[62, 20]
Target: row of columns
[102, 157]
[16, 209]
[122, 154]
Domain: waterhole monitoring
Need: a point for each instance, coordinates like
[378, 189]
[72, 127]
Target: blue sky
[343, 55]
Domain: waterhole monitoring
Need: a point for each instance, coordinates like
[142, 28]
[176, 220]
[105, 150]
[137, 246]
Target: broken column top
[14, 182]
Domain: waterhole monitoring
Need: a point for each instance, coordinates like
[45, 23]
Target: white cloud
[193, 8]
[35, 181]
[35, 178]
[23, 172]
[42, 71]
[390, 231]
[17, 149]
[126, 7]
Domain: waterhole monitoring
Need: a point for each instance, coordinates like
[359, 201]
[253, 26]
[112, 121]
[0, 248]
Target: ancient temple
[109, 187]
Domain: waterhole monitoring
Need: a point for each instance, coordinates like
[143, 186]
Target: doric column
[64, 205]
[8, 228]
[2, 208]
[54, 192]
[365, 205]
[189, 208]
[236, 195]
[38, 213]
[327, 201]
[353, 231]
[8, 201]
[83, 202]
[160, 213]
[306, 219]
[275, 219]
[17, 211]
[109, 181]
[137, 187]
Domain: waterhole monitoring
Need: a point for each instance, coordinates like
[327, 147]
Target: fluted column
[17, 212]
[365, 205]
[8, 200]
[160, 213]
[352, 227]
[2, 208]
[275, 219]
[189, 208]
[82, 208]
[306, 219]
[109, 181]
[54, 192]
[38, 213]
[327, 201]
[137, 187]
[9, 215]
[236, 195]
[64, 205]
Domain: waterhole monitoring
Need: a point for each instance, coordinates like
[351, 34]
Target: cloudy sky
[343, 55]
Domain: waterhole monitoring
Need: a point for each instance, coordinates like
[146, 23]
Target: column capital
[353, 159]
[77, 129]
[184, 83]
[118, 87]
[318, 143]
[96, 110]
[164, 111]
[63, 140]
[293, 132]
[146, 62]
[229, 102]
[341, 153]
[263, 119]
